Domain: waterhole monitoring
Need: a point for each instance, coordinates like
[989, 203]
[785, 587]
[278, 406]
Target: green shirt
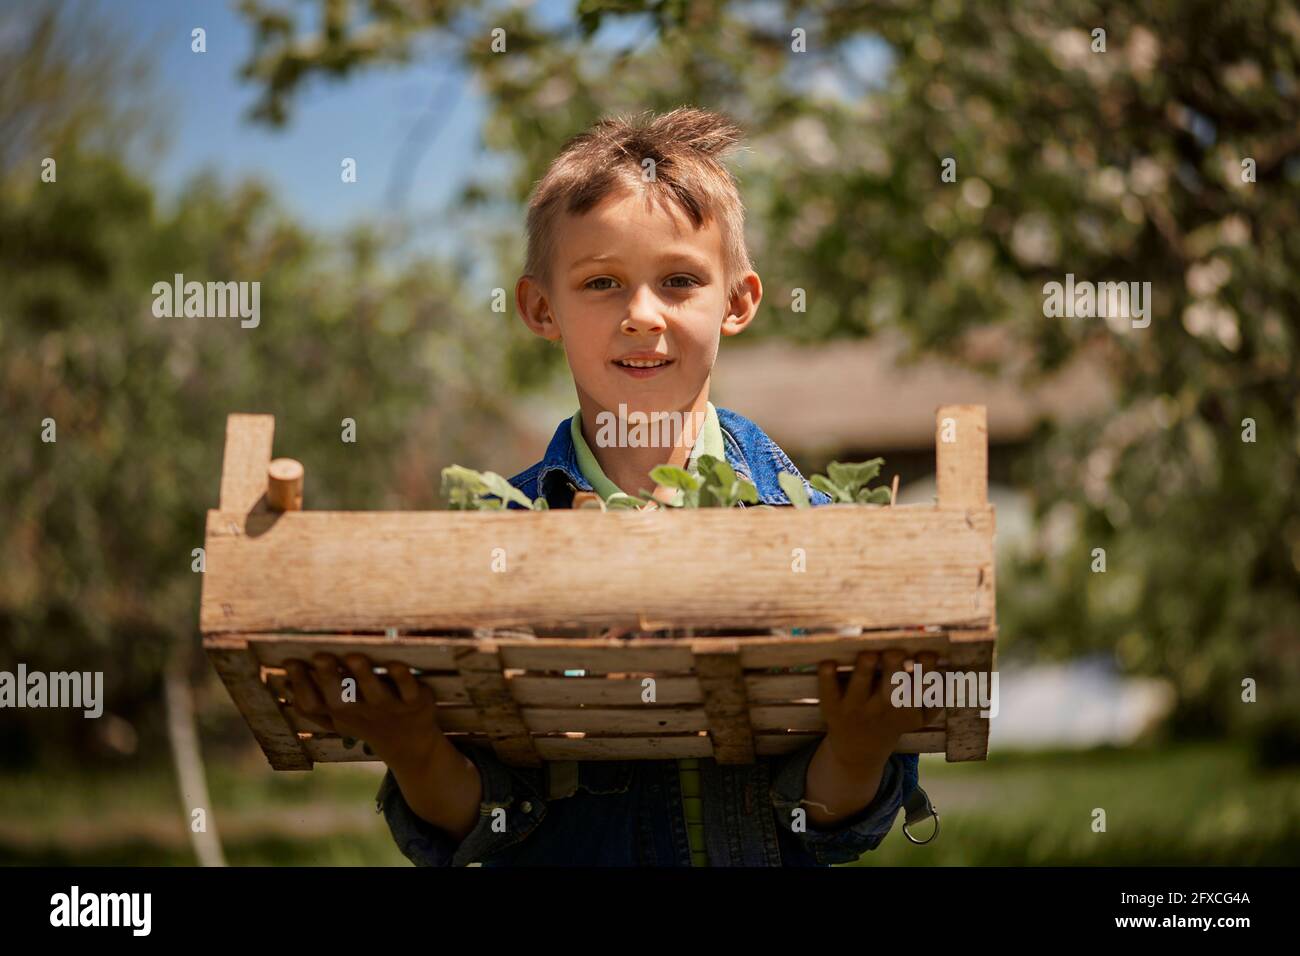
[708, 442]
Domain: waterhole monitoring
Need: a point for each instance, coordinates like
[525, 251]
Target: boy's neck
[629, 467]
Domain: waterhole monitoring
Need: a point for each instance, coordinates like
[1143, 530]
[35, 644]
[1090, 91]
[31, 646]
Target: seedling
[845, 482]
[469, 490]
[715, 485]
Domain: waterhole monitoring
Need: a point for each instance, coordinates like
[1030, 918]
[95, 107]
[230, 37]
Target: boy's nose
[643, 313]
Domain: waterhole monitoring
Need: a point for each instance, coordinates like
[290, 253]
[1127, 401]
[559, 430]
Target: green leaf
[794, 490]
[469, 490]
[745, 491]
[874, 496]
[622, 501]
[824, 484]
[671, 476]
[852, 476]
[507, 492]
[462, 487]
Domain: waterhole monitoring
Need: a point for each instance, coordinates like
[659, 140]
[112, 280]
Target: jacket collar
[559, 474]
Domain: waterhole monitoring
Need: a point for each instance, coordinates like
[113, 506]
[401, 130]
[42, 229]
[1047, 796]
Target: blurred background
[1165, 150]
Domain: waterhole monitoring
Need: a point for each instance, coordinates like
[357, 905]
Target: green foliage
[97, 527]
[468, 490]
[847, 483]
[716, 485]
[1118, 165]
[794, 490]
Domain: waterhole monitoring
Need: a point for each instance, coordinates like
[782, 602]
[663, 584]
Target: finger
[891, 663]
[408, 688]
[828, 685]
[329, 677]
[921, 667]
[864, 677]
[372, 688]
[306, 696]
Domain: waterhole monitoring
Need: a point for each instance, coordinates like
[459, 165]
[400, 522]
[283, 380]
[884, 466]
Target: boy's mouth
[643, 366]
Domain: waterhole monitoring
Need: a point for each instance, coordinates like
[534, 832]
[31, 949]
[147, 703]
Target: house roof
[867, 394]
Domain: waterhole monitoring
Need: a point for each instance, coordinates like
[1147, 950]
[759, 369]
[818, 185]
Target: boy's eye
[596, 283]
[682, 281]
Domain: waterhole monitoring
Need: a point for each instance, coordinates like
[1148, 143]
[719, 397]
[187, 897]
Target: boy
[636, 265]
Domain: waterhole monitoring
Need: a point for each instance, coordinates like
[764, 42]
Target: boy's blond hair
[687, 146]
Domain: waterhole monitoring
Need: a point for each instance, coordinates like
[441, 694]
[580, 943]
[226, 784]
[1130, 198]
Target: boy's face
[637, 282]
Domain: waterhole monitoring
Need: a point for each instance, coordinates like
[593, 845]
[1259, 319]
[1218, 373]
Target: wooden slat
[968, 732]
[921, 742]
[800, 651]
[623, 748]
[722, 683]
[241, 673]
[561, 654]
[481, 669]
[454, 719]
[243, 469]
[963, 463]
[430, 654]
[533, 691]
[875, 567]
[331, 749]
[446, 690]
[647, 718]
[773, 688]
[623, 721]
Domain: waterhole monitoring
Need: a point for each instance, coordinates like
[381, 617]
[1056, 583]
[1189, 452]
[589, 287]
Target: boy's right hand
[398, 720]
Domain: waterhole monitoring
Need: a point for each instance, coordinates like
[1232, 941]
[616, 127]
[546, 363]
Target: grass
[1186, 804]
[1190, 804]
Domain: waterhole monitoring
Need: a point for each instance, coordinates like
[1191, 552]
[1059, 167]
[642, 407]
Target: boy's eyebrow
[689, 258]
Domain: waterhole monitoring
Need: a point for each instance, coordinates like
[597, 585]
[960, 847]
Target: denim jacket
[629, 813]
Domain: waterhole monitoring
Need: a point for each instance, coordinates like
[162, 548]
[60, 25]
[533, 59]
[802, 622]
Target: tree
[1156, 144]
[114, 416]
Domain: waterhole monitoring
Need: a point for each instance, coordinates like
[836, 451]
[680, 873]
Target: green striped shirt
[709, 442]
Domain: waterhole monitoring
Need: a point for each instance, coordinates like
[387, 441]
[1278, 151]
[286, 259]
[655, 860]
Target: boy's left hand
[862, 723]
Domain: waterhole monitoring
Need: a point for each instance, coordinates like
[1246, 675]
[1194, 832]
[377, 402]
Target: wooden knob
[284, 484]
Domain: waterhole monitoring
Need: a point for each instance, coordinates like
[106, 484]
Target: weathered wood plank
[645, 719]
[722, 682]
[480, 668]
[428, 654]
[446, 690]
[331, 749]
[962, 456]
[875, 567]
[243, 468]
[968, 732]
[240, 672]
[532, 691]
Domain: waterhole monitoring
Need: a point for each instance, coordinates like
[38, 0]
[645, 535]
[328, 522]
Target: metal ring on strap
[917, 807]
[908, 834]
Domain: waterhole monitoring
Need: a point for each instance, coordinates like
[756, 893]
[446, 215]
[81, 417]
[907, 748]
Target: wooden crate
[496, 611]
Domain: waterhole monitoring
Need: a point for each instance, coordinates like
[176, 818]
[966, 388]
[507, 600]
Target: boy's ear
[535, 308]
[743, 304]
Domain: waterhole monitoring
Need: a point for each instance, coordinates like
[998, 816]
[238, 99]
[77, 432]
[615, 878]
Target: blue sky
[367, 116]
[428, 109]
